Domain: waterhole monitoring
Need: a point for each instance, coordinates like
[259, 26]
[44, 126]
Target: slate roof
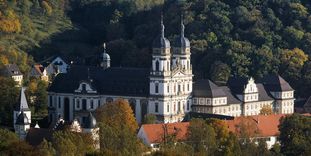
[37, 70]
[275, 83]
[22, 105]
[111, 81]
[262, 93]
[206, 88]
[36, 135]
[22, 119]
[12, 70]
[231, 99]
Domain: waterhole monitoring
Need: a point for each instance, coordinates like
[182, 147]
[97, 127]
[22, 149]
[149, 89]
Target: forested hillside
[228, 37]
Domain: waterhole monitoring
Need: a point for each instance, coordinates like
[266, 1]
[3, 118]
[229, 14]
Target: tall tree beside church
[118, 129]
[117, 114]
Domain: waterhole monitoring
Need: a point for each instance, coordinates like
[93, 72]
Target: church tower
[22, 106]
[181, 77]
[91, 128]
[160, 76]
[22, 125]
[105, 62]
[181, 51]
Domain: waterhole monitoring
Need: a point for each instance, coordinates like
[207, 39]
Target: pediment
[85, 87]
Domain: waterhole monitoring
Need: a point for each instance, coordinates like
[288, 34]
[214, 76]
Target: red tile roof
[267, 125]
[155, 132]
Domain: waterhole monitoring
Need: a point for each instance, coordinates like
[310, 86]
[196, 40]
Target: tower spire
[182, 26]
[104, 46]
[162, 26]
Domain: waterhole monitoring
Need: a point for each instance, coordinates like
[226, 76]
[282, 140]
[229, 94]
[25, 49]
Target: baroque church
[165, 90]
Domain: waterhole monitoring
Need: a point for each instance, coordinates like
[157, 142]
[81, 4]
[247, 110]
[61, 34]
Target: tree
[9, 97]
[46, 148]
[118, 129]
[201, 137]
[220, 72]
[6, 138]
[266, 110]
[295, 135]
[21, 148]
[292, 62]
[150, 119]
[117, 114]
[71, 143]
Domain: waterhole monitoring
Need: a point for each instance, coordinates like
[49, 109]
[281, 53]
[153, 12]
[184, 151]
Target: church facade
[166, 90]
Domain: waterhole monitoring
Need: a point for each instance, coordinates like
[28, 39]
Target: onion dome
[161, 41]
[182, 41]
[90, 122]
[22, 119]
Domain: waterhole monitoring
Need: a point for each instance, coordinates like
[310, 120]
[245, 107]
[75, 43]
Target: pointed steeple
[161, 41]
[181, 41]
[182, 27]
[22, 105]
[162, 27]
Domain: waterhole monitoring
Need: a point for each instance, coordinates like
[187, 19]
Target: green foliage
[37, 96]
[150, 119]
[71, 143]
[6, 138]
[9, 97]
[295, 135]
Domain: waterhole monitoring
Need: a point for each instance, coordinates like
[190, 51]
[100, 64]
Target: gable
[178, 74]
[85, 87]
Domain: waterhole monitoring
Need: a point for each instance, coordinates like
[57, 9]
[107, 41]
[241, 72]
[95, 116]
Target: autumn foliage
[117, 114]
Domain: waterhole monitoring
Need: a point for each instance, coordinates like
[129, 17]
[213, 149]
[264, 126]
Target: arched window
[157, 66]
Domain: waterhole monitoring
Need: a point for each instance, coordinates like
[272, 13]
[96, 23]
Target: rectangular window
[92, 104]
[168, 89]
[51, 101]
[188, 105]
[178, 107]
[174, 107]
[156, 108]
[156, 88]
[168, 108]
[178, 88]
[78, 104]
[59, 102]
[98, 103]
[188, 88]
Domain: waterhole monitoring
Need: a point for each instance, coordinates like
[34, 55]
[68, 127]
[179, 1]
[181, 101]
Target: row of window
[207, 101]
[255, 106]
[179, 87]
[251, 97]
